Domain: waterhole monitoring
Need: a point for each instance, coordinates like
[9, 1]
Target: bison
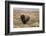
[24, 18]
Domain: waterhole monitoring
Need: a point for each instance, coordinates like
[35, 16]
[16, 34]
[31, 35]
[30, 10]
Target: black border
[7, 17]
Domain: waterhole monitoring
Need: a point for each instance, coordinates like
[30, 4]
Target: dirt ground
[34, 18]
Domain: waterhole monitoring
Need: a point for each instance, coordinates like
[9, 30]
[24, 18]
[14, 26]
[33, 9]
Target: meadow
[34, 18]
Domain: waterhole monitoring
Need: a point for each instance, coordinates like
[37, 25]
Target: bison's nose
[24, 19]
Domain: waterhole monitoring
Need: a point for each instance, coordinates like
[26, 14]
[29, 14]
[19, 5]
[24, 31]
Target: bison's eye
[24, 19]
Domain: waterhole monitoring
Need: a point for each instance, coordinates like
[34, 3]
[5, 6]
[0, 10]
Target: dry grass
[33, 22]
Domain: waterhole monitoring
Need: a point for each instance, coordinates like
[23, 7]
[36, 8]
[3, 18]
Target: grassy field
[33, 22]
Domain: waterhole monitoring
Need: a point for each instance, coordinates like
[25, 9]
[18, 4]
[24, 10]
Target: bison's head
[24, 18]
